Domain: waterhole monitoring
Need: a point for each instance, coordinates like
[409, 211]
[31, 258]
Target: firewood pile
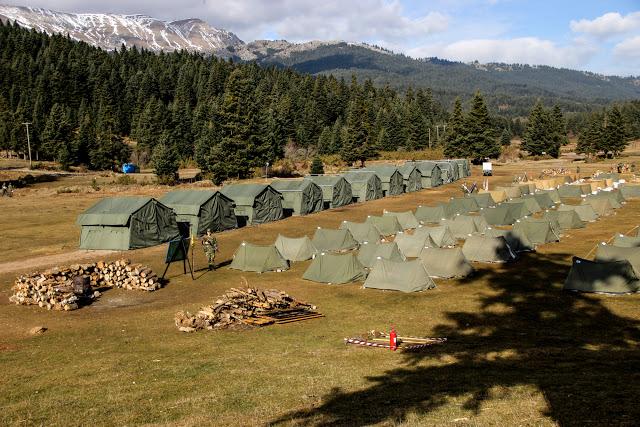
[66, 288]
[250, 306]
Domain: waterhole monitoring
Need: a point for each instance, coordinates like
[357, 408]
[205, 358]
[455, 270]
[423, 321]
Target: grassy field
[520, 351]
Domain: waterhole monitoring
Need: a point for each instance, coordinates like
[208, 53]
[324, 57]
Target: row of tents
[123, 223]
[410, 261]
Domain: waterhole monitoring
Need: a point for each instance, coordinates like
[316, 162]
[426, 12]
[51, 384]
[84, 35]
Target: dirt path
[77, 256]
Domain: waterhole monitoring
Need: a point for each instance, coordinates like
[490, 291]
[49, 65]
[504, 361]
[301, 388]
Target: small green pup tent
[532, 203]
[609, 195]
[614, 277]
[403, 276]
[434, 214]
[516, 239]
[615, 253]
[370, 252]
[439, 234]
[601, 205]
[553, 194]
[565, 219]
[203, 210]
[586, 212]
[406, 219]
[461, 226]
[520, 207]
[484, 200]
[445, 262]
[362, 231]
[411, 245]
[300, 196]
[365, 185]
[502, 214]
[511, 191]
[574, 190]
[390, 177]
[257, 203]
[411, 177]
[326, 239]
[463, 205]
[259, 259]
[123, 223]
[623, 241]
[388, 225]
[336, 191]
[335, 269]
[630, 191]
[544, 200]
[487, 249]
[538, 231]
[295, 249]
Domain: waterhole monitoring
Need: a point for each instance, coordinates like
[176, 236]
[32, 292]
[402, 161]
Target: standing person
[4, 189]
[210, 246]
[10, 190]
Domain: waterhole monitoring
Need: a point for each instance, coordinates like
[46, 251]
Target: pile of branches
[67, 288]
[238, 307]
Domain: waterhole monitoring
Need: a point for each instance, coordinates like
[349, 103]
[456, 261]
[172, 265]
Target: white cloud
[629, 48]
[524, 50]
[608, 25]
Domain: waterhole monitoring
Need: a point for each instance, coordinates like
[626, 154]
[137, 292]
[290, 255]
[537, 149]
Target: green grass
[520, 351]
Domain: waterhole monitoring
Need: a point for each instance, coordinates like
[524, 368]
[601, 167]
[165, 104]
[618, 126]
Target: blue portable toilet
[129, 168]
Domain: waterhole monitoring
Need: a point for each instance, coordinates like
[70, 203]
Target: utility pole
[28, 142]
[429, 137]
[437, 132]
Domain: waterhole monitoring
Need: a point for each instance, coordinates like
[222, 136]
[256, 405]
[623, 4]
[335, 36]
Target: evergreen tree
[454, 137]
[165, 161]
[591, 137]
[317, 168]
[57, 132]
[615, 138]
[505, 138]
[542, 135]
[480, 137]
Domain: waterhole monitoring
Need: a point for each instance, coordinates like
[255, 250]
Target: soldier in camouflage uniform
[210, 246]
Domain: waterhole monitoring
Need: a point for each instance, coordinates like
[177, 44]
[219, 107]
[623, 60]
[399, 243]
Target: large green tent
[300, 196]
[411, 177]
[445, 262]
[606, 252]
[259, 259]
[295, 248]
[585, 212]
[449, 173]
[503, 214]
[335, 269]
[484, 200]
[388, 225]
[622, 241]
[516, 239]
[487, 249]
[406, 219]
[539, 231]
[362, 231]
[439, 234]
[512, 192]
[430, 172]
[434, 214]
[403, 276]
[258, 203]
[601, 205]
[326, 239]
[365, 185]
[336, 191]
[464, 169]
[461, 226]
[566, 220]
[390, 177]
[203, 210]
[370, 252]
[630, 191]
[544, 200]
[615, 277]
[412, 244]
[123, 223]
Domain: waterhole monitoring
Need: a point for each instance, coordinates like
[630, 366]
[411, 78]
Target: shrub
[317, 168]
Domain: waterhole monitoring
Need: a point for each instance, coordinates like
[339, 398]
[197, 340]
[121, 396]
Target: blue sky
[598, 36]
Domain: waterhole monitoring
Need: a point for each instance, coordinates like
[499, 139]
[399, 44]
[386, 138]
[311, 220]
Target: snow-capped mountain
[110, 31]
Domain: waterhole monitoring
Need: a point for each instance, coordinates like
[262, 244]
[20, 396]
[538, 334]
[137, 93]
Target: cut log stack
[66, 288]
[248, 306]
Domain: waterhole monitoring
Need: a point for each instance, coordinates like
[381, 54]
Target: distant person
[210, 246]
[3, 192]
[578, 170]
[10, 190]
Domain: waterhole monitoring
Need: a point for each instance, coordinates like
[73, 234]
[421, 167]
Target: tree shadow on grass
[580, 355]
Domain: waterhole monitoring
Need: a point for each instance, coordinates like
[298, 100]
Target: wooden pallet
[279, 317]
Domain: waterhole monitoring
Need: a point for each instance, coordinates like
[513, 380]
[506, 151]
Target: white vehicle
[487, 169]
